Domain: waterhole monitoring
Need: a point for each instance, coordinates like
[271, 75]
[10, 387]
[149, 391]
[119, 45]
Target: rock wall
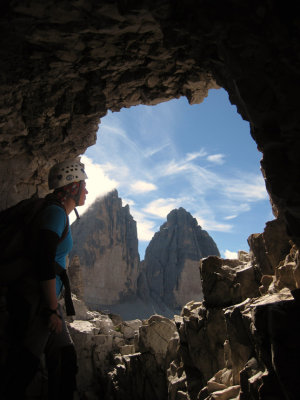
[241, 342]
[171, 265]
[75, 274]
[107, 247]
[63, 65]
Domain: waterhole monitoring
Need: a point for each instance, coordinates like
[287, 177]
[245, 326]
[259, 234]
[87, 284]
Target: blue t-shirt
[54, 218]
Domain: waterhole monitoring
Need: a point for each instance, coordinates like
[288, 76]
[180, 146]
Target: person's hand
[55, 323]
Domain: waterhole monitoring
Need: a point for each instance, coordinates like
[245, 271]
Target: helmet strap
[76, 212]
[77, 196]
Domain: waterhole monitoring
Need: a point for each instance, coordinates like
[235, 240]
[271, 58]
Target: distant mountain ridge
[114, 279]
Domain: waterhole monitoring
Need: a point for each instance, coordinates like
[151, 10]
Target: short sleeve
[53, 219]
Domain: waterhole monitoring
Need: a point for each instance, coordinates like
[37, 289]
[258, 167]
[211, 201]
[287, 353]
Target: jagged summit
[171, 264]
[106, 242]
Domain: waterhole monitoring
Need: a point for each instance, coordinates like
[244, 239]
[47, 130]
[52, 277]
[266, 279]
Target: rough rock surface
[64, 64]
[76, 277]
[142, 375]
[269, 248]
[232, 345]
[227, 282]
[106, 244]
[171, 265]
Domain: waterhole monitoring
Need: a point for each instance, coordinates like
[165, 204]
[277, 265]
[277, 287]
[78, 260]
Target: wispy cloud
[247, 188]
[193, 156]
[161, 207]
[216, 158]
[230, 217]
[212, 225]
[145, 226]
[114, 129]
[152, 151]
[170, 177]
[142, 187]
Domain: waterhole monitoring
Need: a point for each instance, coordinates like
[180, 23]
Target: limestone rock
[76, 278]
[64, 64]
[227, 282]
[171, 264]
[128, 328]
[202, 337]
[106, 243]
[113, 279]
[270, 247]
[64, 67]
[287, 271]
[142, 375]
[154, 337]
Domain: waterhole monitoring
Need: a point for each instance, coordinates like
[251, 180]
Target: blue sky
[200, 157]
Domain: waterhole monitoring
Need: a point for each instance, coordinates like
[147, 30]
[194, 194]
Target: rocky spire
[105, 239]
[171, 265]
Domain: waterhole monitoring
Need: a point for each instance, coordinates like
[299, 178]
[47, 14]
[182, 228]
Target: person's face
[83, 194]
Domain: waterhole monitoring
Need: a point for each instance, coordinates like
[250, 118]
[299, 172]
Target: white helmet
[68, 171]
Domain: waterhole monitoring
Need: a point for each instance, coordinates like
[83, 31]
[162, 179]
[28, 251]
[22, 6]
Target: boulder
[227, 282]
[270, 247]
[154, 337]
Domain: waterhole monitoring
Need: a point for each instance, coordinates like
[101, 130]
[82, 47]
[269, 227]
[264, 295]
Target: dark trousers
[28, 338]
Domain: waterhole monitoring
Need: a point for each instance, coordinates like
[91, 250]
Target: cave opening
[65, 63]
[200, 157]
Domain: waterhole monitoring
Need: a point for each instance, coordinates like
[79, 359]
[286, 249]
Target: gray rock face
[171, 265]
[106, 243]
[64, 64]
[75, 276]
[113, 279]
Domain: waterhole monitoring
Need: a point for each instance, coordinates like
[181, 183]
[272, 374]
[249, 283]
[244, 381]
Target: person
[36, 323]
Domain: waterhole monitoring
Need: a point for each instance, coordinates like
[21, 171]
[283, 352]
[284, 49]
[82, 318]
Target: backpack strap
[51, 199]
[62, 273]
[65, 231]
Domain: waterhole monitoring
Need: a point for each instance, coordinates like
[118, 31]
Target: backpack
[18, 236]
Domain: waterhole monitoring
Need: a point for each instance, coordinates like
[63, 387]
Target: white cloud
[145, 227]
[142, 187]
[130, 202]
[212, 225]
[170, 178]
[161, 207]
[98, 184]
[113, 129]
[151, 151]
[193, 156]
[230, 217]
[145, 230]
[230, 254]
[199, 178]
[216, 158]
[172, 168]
[249, 188]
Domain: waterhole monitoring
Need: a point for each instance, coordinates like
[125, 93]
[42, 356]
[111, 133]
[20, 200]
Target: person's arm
[49, 291]
[47, 244]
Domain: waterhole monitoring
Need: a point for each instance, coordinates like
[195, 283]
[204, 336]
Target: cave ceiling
[65, 63]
